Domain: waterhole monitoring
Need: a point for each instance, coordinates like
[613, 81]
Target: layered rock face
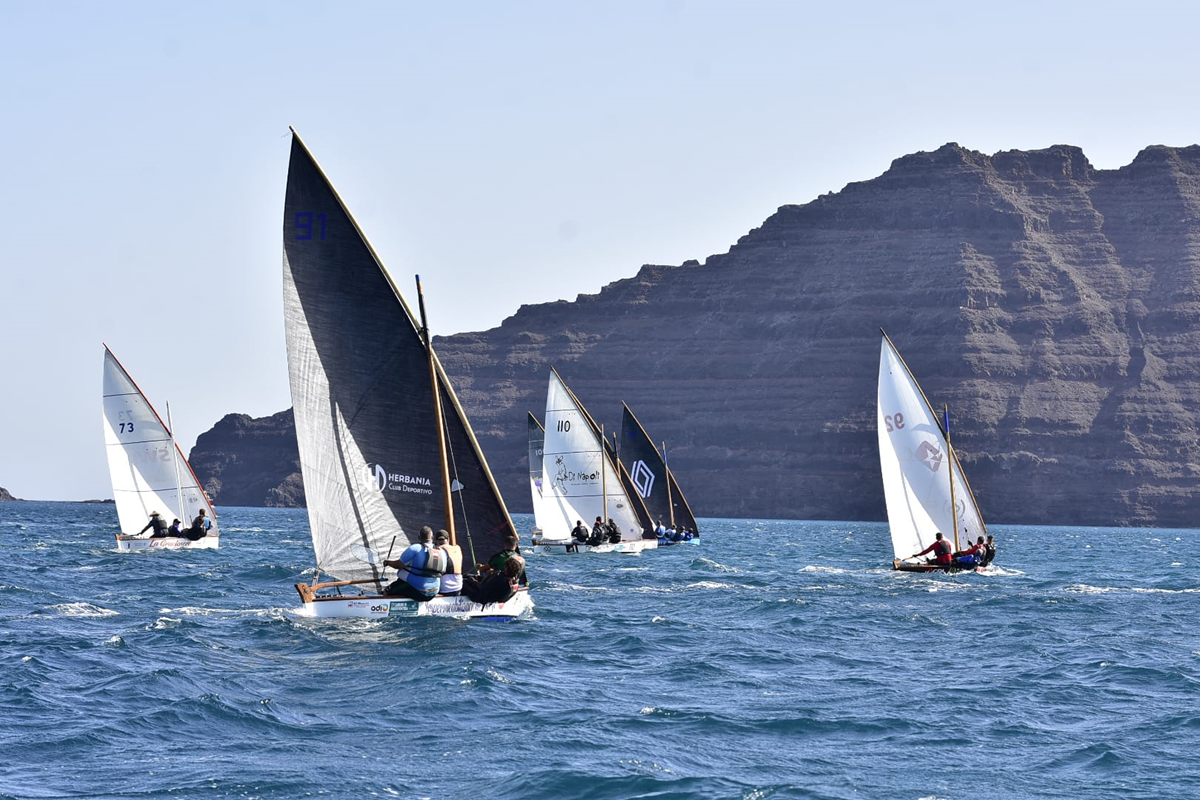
[250, 462]
[1053, 306]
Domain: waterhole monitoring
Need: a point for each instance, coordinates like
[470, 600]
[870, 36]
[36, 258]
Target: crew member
[158, 523]
[418, 570]
[941, 550]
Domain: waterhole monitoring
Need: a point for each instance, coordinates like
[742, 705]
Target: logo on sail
[386, 481]
[930, 456]
[642, 477]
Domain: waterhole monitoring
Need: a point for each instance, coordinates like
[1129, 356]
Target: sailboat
[653, 480]
[147, 468]
[923, 481]
[581, 479]
[385, 446]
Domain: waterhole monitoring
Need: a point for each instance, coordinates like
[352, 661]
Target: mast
[670, 503]
[603, 479]
[175, 461]
[437, 412]
[950, 464]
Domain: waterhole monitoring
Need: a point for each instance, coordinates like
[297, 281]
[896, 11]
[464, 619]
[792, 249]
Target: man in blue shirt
[418, 570]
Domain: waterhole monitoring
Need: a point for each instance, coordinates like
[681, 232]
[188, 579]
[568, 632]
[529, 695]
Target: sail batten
[362, 384]
[925, 489]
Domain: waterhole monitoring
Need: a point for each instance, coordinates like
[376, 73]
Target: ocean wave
[82, 610]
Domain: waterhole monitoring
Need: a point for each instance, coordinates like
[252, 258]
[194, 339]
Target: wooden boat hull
[553, 547]
[949, 570]
[379, 607]
[127, 544]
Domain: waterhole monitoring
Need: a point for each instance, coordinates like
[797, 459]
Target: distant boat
[148, 470]
[923, 483]
[580, 480]
[653, 480]
[385, 447]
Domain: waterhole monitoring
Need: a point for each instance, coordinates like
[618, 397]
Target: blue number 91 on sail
[310, 226]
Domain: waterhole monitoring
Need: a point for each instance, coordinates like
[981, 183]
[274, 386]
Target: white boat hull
[379, 607]
[127, 544]
[551, 547]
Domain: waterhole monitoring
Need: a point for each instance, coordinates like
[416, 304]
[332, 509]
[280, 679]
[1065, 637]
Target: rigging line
[454, 470]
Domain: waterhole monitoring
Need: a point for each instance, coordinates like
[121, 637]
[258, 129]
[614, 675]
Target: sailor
[418, 570]
[972, 555]
[941, 550]
[452, 577]
[158, 523]
[200, 526]
[613, 532]
[174, 529]
[511, 550]
[580, 533]
[989, 551]
[498, 585]
[598, 532]
[659, 530]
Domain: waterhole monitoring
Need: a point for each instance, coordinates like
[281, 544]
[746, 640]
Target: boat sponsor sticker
[567, 478]
[401, 608]
[388, 481]
[930, 455]
[454, 605]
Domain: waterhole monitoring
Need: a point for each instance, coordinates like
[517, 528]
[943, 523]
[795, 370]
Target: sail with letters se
[385, 446]
[923, 482]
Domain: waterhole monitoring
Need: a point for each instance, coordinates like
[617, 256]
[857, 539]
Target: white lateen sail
[147, 469]
[916, 460]
[579, 479]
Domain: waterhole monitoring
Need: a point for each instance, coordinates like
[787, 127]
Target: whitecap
[828, 570]
[82, 610]
[710, 585]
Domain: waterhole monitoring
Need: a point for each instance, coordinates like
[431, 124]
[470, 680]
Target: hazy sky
[509, 152]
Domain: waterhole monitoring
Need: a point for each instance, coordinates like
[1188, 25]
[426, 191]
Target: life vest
[942, 549]
[437, 561]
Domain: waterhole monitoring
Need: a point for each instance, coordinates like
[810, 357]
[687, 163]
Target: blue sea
[776, 659]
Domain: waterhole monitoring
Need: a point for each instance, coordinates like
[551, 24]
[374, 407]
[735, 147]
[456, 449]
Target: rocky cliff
[1053, 306]
[250, 462]
[5, 496]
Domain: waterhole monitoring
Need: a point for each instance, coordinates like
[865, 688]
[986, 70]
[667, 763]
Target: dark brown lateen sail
[366, 420]
[651, 478]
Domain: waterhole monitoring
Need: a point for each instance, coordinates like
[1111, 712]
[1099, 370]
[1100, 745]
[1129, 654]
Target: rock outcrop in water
[5, 496]
[250, 462]
[1053, 306]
